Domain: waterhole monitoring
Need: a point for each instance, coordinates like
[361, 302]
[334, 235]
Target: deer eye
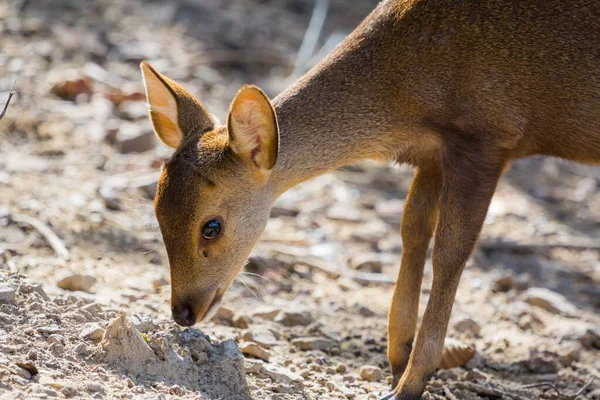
[211, 229]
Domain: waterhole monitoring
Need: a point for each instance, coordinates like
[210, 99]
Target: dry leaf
[456, 354]
[69, 90]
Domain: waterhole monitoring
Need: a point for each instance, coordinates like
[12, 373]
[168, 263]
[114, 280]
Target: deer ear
[174, 112]
[252, 126]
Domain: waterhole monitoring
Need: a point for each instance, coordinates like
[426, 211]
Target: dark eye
[211, 229]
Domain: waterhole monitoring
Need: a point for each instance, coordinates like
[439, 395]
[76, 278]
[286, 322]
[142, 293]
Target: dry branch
[53, 240]
[558, 392]
[11, 93]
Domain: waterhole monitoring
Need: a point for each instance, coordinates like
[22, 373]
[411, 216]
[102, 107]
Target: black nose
[183, 315]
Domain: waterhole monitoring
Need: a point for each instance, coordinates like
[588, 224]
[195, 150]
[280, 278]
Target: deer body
[455, 88]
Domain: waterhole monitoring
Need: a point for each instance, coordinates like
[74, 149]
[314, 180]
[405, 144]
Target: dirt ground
[84, 284]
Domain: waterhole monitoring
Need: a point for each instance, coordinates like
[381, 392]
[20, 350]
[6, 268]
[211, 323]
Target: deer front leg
[418, 223]
[468, 186]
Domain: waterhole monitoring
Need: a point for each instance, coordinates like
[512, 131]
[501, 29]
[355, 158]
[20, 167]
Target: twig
[524, 247]
[560, 394]
[10, 95]
[365, 278]
[53, 240]
[311, 37]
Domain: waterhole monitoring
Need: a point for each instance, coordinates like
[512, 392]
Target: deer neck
[328, 119]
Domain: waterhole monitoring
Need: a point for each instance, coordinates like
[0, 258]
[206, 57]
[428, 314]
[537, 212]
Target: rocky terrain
[84, 283]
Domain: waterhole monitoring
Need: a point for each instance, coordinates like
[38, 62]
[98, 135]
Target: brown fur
[454, 88]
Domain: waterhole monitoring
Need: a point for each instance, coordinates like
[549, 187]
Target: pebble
[55, 338]
[550, 301]
[367, 262]
[223, 316]
[591, 338]
[263, 337]
[266, 312]
[371, 373]
[504, 284]
[75, 282]
[92, 332]
[241, 321]
[7, 293]
[252, 349]
[467, 325]
[341, 368]
[48, 330]
[56, 348]
[294, 318]
[280, 374]
[313, 343]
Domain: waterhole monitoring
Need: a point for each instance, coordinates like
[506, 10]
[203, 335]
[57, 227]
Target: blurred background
[78, 170]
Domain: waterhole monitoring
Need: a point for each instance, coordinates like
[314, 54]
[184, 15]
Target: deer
[455, 88]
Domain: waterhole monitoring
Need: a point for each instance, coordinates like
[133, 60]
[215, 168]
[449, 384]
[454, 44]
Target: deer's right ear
[174, 112]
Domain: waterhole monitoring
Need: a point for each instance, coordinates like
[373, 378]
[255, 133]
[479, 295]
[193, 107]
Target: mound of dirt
[69, 347]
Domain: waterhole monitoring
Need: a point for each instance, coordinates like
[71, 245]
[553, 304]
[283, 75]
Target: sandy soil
[84, 309]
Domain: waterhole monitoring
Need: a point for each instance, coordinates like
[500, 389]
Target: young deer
[456, 88]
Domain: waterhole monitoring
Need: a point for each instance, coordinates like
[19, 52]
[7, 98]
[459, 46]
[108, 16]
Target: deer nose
[183, 315]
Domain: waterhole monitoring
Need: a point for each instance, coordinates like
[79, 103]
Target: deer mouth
[213, 307]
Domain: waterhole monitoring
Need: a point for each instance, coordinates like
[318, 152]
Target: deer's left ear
[252, 126]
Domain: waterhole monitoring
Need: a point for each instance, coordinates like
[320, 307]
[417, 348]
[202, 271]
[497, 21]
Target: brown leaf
[69, 90]
[456, 354]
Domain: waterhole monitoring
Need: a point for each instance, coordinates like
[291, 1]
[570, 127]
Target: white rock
[550, 301]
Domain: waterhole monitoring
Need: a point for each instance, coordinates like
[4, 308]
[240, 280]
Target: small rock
[504, 284]
[371, 373]
[591, 338]
[56, 339]
[92, 332]
[263, 337]
[48, 330]
[241, 321]
[131, 138]
[252, 349]
[341, 368]
[56, 348]
[550, 301]
[224, 316]
[367, 262]
[467, 325]
[94, 387]
[266, 312]
[29, 367]
[7, 293]
[294, 318]
[280, 374]
[313, 343]
[77, 282]
[22, 372]
[143, 322]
